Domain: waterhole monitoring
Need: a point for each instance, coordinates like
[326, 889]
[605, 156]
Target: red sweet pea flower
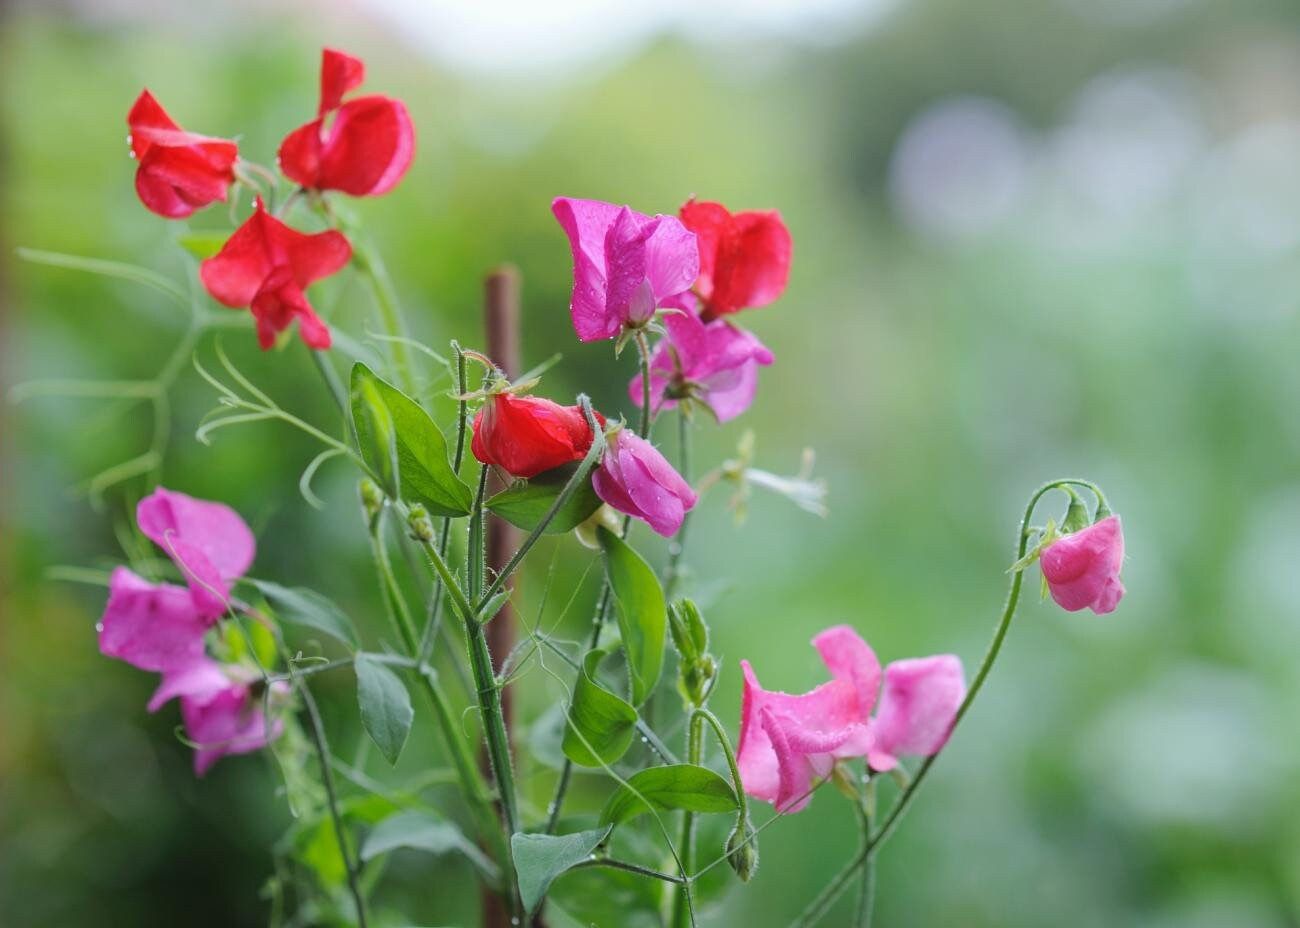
[526, 435]
[367, 146]
[744, 257]
[179, 171]
[266, 266]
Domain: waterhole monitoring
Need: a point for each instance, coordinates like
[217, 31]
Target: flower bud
[372, 498]
[420, 524]
[742, 850]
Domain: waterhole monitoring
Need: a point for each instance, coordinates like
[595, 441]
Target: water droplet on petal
[99, 627]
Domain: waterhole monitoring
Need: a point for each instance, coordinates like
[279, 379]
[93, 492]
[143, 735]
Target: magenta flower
[713, 362]
[209, 542]
[1082, 569]
[625, 264]
[634, 478]
[787, 741]
[222, 709]
[150, 626]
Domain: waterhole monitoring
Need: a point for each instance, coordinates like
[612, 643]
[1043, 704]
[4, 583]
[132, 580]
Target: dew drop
[99, 626]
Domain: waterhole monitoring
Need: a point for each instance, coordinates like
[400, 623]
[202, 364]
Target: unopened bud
[742, 850]
[421, 526]
[372, 498]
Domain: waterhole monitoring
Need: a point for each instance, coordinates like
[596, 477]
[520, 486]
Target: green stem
[471, 780]
[643, 353]
[683, 915]
[613, 864]
[488, 693]
[331, 378]
[331, 796]
[831, 892]
[444, 537]
[370, 264]
[867, 893]
[677, 547]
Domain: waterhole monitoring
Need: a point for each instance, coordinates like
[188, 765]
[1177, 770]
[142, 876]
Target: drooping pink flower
[714, 362]
[1082, 569]
[222, 708]
[151, 626]
[179, 172]
[636, 479]
[787, 741]
[362, 147]
[267, 267]
[625, 264]
[744, 257]
[208, 541]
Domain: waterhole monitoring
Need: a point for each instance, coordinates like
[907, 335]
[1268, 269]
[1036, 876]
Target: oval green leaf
[300, 606]
[525, 504]
[672, 786]
[423, 831]
[601, 725]
[385, 705]
[424, 474]
[642, 612]
[539, 859]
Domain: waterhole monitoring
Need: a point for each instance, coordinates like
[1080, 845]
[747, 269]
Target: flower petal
[150, 626]
[1082, 569]
[918, 707]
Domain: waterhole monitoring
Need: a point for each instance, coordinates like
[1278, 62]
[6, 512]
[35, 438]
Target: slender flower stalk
[317, 730]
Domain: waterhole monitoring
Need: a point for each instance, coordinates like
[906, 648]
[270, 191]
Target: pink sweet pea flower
[625, 264]
[713, 362]
[787, 741]
[634, 478]
[1082, 569]
[221, 707]
[209, 542]
[151, 626]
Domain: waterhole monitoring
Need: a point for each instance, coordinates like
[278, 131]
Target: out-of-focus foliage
[1032, 237]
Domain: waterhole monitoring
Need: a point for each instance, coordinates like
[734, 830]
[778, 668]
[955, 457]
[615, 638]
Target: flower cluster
[629, 270]
[788, 740]
[162, 627]
[361, 147]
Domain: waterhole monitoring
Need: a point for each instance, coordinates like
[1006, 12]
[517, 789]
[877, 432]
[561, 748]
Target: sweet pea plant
[240, 655]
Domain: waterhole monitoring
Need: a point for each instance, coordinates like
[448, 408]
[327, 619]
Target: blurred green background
[1033, 238]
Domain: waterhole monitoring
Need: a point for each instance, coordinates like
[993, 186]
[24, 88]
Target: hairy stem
[683, 915]
[370, 264]
[677, 547]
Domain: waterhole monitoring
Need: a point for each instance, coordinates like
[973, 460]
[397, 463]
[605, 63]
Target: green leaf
[300, 606]
[423, 471]
[203, 244]
[539, 859]
[423, 831]
[601, 725]
[673, 786]
[642, 612]
[385, 706]
[525, 504]
[375, 422]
